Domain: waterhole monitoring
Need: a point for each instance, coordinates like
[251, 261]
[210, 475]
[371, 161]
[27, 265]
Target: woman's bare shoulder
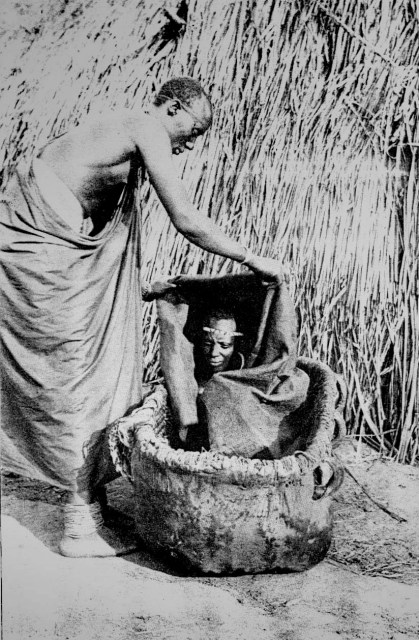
[107, 136]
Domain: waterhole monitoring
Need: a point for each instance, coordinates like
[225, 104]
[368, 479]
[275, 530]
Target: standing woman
[71, 294]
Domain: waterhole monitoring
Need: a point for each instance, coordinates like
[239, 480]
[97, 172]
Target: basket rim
[236, 469]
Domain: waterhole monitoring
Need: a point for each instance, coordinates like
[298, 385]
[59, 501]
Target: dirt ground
[367, 587]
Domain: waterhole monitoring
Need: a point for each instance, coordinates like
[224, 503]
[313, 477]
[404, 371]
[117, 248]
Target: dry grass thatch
[312, 157]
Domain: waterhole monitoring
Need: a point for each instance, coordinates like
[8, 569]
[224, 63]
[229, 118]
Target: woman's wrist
[248, 259]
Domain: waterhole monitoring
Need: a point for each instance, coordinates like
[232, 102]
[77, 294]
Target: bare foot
[103, 543]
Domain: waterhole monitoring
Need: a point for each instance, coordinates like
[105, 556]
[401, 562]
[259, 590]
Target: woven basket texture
[224, 514]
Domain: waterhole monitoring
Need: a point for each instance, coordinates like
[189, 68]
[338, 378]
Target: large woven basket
[221, 514]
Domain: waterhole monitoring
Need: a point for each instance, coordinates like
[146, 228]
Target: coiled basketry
[224, 514]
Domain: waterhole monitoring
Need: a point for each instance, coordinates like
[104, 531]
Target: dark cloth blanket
[248, 412]
[70, 335]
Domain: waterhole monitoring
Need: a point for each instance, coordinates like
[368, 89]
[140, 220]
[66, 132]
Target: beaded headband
[218, 334]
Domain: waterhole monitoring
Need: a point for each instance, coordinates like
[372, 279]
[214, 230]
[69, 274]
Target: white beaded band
[218, 333]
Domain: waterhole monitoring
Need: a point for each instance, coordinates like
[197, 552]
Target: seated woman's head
[219, 333]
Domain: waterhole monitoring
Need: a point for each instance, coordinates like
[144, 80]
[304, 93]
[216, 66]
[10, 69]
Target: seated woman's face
[218, 343]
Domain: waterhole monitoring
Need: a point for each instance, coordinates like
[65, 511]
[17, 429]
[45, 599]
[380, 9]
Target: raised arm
[154, 146]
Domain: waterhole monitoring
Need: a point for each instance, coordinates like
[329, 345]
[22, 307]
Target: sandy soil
[367, 588]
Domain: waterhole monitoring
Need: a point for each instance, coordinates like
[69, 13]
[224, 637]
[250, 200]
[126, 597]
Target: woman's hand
[161, 287]
[156, 289]
[268, 268]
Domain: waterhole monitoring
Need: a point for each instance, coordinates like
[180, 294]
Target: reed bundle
[312, 158]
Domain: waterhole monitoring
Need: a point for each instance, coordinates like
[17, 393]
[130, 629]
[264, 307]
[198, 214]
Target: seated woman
[248, 405]
[216, 351]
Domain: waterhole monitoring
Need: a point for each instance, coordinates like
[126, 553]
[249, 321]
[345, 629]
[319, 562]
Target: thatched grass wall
[313, 157]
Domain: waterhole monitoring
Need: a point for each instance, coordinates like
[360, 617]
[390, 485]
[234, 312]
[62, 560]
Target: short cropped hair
[186, 90]
[219, 313]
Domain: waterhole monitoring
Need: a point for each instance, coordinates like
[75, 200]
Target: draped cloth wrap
[249, 412]
[71, 336]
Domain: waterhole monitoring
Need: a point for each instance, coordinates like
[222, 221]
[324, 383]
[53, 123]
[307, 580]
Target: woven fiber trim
[144, 422]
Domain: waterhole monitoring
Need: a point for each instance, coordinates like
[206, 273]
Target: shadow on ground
[366, 588]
